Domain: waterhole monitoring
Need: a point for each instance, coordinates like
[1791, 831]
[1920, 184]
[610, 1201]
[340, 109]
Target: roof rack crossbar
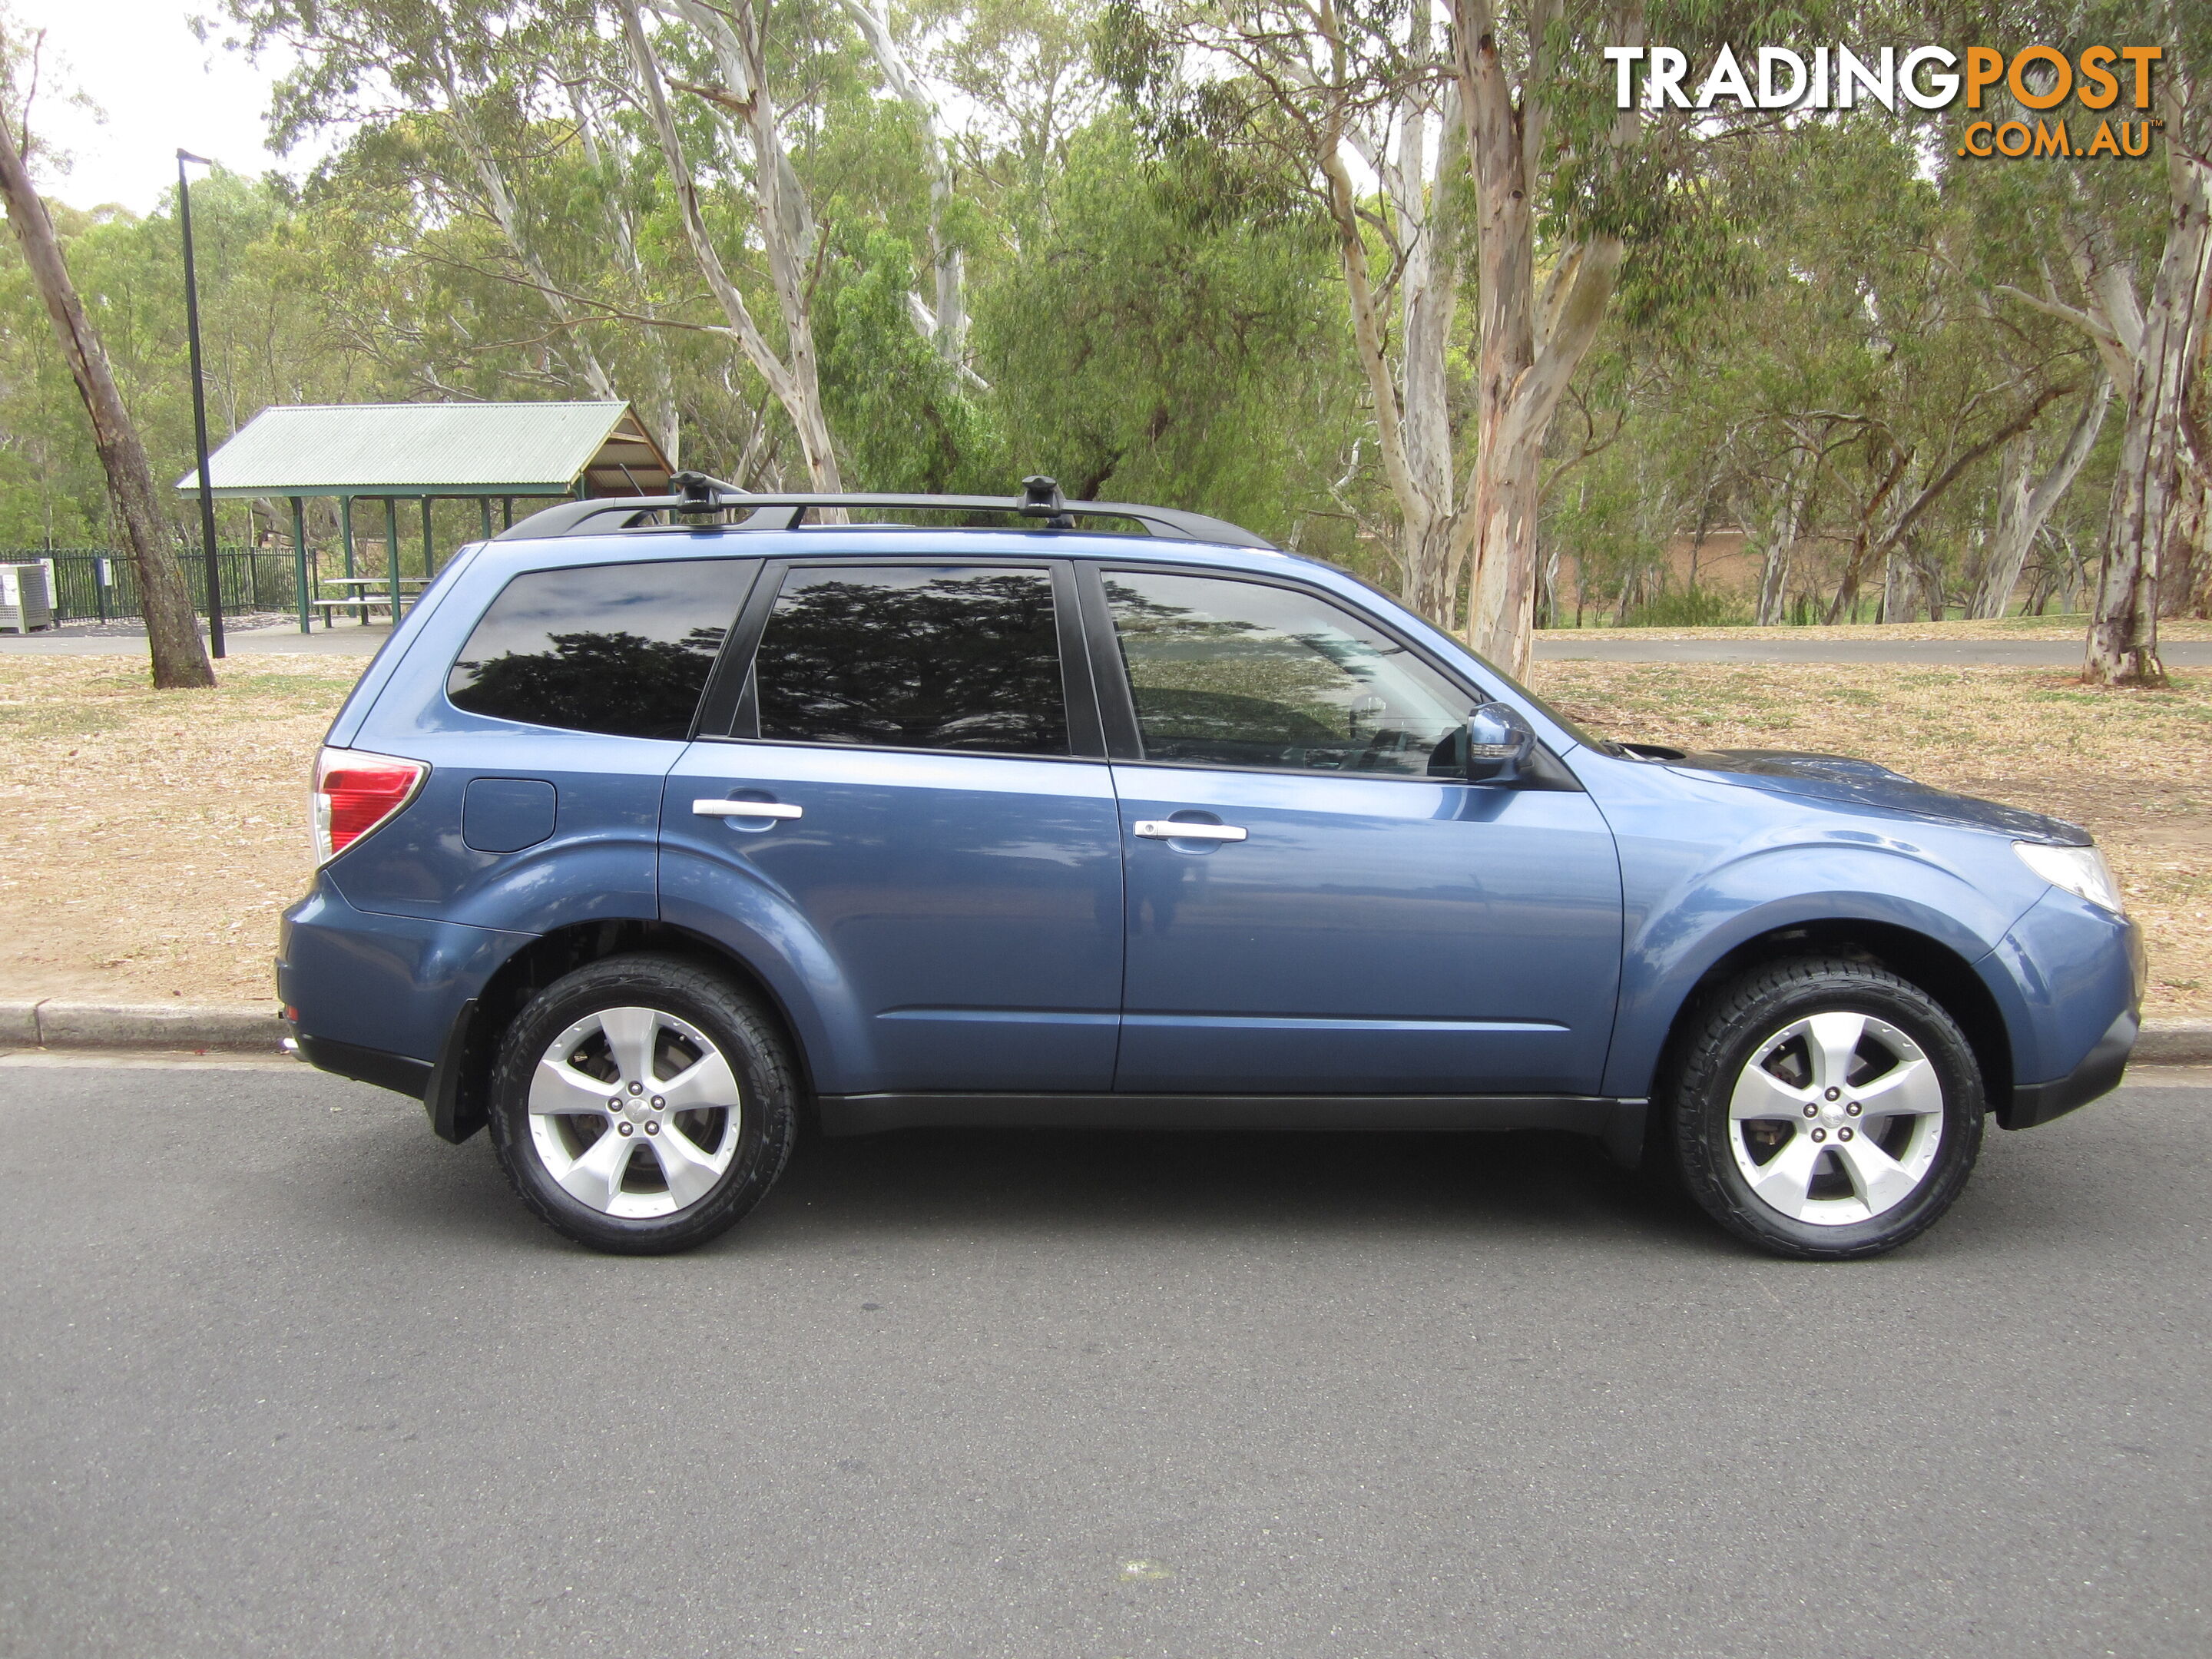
[789, 512]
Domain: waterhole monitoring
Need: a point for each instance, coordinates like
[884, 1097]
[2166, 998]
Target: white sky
[157, 89]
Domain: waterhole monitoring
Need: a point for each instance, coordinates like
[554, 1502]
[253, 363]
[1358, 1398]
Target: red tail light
[354, 792]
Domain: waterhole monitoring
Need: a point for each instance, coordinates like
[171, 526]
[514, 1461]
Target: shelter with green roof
[426, 453]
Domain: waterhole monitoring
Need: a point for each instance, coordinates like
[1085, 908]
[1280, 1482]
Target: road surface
[283, 1375]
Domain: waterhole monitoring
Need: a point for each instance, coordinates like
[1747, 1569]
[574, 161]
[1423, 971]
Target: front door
[902, 826]
[1347, 915]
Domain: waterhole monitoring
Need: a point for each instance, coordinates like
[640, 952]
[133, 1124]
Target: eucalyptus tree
[1172, 331]
[2027, 499]
[944, 319]
[1357, 106]
[746, 133]
[1498, 150]
[1024, 79]
[2126, 257]
[489, 104]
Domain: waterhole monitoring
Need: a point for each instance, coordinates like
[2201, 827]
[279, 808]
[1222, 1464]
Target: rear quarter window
[621, 649]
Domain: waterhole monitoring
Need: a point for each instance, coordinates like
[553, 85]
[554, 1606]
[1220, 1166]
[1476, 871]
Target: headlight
[2081, 870]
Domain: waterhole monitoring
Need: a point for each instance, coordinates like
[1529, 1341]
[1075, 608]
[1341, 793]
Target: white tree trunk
[2122, 644]
[1782, 542]
[1406, 356]
[944, 323]
[1531, 341]
[780, 211]
[658, 407]
[2025, 503]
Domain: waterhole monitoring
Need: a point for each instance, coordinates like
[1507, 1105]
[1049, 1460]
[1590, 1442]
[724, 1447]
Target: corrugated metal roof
[416, 449]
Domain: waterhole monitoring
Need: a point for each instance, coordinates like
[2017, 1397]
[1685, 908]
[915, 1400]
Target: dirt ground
[2179, 629]
[148, 840]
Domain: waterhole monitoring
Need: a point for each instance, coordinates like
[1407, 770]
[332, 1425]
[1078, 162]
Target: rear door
[910, 823]
[557, 720]
[1348, 914]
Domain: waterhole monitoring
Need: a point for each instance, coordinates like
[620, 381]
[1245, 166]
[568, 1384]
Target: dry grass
[148, 840]
[2070, 629]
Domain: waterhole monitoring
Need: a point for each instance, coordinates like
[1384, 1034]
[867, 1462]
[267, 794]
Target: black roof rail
[703, 497]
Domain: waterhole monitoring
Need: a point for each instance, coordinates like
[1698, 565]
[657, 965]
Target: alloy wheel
[1836, 1118]
[634, 1113]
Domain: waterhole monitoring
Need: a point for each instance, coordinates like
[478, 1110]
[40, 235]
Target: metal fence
[100, 584]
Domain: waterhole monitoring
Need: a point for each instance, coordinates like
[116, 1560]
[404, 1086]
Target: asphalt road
[284, 1375]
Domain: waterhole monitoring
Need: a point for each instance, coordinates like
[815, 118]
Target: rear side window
[913, 657]
[623, 649]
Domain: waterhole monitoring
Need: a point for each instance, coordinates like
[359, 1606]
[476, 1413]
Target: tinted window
[913, 657]
[1230, 673]
[620, 649]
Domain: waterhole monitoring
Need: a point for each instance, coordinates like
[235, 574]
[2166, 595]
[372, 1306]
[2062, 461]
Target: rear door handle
[1169, 829]
[747, 809]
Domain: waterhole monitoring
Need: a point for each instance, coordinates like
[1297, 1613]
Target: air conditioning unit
[27, 596]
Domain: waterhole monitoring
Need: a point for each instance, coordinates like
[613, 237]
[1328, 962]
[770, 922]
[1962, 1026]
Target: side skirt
[1617, 1123]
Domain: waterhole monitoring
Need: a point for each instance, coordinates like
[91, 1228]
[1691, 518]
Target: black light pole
[199, 407]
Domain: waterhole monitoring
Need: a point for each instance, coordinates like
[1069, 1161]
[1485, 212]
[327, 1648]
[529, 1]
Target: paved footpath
[346, 640]
[284, 1375]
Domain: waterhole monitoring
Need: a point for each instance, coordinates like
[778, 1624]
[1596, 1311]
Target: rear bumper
[2099, 1073]
[381, 984]
[408, 1076]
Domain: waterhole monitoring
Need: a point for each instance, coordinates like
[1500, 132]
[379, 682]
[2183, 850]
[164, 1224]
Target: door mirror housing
[1499, 745]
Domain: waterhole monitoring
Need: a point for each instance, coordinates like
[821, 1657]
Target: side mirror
[1499, 744]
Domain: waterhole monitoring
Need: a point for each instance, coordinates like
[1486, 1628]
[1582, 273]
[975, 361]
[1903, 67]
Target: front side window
[623, 649]
[913, 657]
[1234, 673]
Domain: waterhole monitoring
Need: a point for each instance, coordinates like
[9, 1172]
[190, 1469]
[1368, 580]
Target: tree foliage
[1836, 368]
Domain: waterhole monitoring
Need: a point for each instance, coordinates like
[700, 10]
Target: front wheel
[1825, 1109]
[642, 1104]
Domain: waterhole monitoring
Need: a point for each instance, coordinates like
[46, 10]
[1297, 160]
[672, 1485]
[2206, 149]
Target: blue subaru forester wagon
[661, 825]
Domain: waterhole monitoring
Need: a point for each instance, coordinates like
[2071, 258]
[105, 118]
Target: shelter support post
[300, 565]
[391, 554]
[429, 561]
[345, 529]
[484, 513]
[506, 512]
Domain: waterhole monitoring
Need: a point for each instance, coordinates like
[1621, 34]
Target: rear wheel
[642, 1104]
[1826, 1108]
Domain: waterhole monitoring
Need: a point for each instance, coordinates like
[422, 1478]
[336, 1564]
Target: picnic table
[364, 593]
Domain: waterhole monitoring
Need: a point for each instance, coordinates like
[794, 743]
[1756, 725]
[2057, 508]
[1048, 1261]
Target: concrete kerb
[252, 1027]
[2174, 1042]
[255, 1027]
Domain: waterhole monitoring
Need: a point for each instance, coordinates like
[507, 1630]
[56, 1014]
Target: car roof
[703, 500]
[884, 541]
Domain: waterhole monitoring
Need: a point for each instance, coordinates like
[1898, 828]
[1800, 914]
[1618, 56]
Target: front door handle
[1169, 829]
[747, 809]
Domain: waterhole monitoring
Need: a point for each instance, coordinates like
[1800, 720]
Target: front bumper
[2099, 1073]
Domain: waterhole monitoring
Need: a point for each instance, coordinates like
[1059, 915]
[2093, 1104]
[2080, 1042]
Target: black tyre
[1824, 1109]
[642, 1104]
